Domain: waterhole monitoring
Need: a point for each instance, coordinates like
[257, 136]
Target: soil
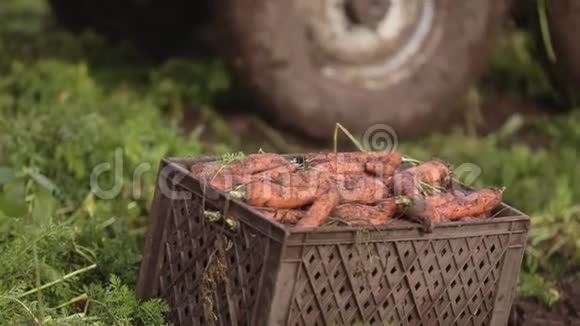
[565, 312]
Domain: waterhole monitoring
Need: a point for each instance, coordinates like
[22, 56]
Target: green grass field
[71, 103]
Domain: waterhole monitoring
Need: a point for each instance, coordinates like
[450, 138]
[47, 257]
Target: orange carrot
[320, 209]
[275, 172]
[268, 194]
[441, 198]
[340, 167]
[252, 164]
[424, 213]
[379, 163]
[424, 209]
[455, 207]
[241, 172]
[303, 186]
[204, 169]
[431, 174]
[301, 179]
[471, 205]
[352, 188]
[361, 157]
[384, 167]
[360, 189]
[379, 214]
[290, 193]
[256, 163]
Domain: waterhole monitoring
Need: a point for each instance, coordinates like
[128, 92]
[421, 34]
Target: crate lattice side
[417, 282]
[190, 247]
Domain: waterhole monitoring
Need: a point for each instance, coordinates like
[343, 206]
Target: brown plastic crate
[464, 273]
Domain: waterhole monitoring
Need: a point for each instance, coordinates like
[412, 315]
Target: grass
[71, 106]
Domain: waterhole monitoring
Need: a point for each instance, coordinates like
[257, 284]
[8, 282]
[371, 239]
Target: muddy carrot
[204, 169]
[364, 214]
[225, 177]
[380, 169]
[433, 174]
[286, 216]
[275, 172]
[351, 188]
[233, 180]
[252, 164]
[360, 189]
[474, 204]
[340, 167]
[378, 163]
[268, 194]
[301, 179]
[424, 213]
[424, 209]
[320, 209]
[441, 198]
[361, 157]
[455, 207]
[384, 167]
[256, 163]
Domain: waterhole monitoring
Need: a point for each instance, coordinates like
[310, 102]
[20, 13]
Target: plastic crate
[262, 273]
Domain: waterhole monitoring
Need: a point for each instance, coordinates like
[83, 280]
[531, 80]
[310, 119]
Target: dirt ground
[565, 312]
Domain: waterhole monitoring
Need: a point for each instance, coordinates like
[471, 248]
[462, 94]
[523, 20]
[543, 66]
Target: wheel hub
[368, 13]
[370, 43]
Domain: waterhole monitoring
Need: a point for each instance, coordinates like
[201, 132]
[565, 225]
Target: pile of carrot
[354, 188]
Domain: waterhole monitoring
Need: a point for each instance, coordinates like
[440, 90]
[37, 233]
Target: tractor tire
[564, 21]
[401, 63]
